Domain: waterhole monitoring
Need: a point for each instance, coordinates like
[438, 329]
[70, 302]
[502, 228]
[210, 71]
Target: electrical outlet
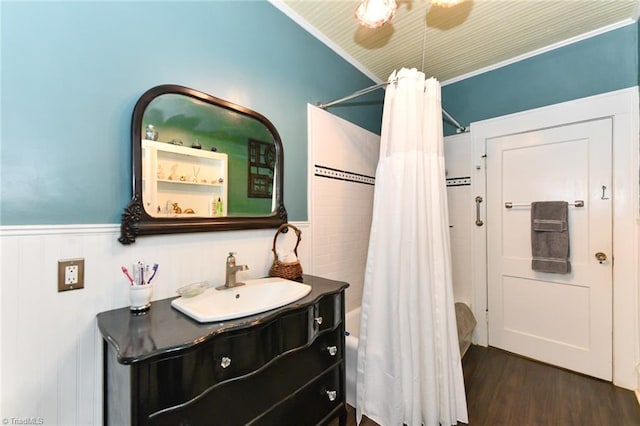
[70, 274]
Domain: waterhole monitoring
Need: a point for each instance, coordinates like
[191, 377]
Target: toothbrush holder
[140, 297]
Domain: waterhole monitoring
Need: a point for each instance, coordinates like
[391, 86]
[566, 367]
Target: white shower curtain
[409, 368]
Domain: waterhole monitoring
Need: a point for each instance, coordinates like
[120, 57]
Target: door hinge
[486, 316]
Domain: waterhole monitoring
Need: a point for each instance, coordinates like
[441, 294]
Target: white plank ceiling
[448, 43]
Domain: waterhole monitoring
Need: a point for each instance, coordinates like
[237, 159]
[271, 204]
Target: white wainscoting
[50, 347]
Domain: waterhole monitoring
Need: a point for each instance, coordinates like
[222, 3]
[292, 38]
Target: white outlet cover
[71, 274]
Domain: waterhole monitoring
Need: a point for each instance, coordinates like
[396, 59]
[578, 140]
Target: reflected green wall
[183, 120]
[73, 71]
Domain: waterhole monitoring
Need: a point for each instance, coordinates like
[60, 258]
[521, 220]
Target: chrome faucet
[232, 269]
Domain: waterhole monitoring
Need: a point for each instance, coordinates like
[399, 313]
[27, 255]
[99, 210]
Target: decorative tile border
[331, 173]
[459, 181]
[328, 172]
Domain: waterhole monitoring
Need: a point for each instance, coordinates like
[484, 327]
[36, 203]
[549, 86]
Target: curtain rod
[460, 128]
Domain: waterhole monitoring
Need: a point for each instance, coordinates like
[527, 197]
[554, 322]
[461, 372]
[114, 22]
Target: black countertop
[162, 329]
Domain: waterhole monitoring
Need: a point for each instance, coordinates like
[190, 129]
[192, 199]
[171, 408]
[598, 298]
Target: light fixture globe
[375, 13]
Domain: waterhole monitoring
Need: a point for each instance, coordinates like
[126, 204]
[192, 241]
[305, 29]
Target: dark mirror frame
[137, 222]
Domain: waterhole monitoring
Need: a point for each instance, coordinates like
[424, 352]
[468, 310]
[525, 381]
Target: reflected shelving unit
[179, 181]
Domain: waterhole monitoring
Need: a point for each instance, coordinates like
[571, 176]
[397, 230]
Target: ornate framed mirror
[199, 164]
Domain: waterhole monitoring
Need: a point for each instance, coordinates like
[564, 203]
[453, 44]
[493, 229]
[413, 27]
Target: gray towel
[550, 237]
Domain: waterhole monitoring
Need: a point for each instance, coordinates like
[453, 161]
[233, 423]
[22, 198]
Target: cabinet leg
[342, 420]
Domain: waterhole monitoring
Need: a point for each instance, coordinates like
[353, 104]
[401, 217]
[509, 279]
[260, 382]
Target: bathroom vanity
[281, 367]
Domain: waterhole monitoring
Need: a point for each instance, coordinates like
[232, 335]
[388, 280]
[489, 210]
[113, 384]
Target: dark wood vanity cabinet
[282, 367]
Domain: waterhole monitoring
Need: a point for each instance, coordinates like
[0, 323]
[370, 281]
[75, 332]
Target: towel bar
[509, 204]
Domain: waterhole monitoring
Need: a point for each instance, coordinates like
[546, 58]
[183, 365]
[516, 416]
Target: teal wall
[72, 72]
[596, 65]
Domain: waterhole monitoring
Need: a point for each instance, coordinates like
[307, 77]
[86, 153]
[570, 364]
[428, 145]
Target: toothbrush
[125, 271]
[153, 274]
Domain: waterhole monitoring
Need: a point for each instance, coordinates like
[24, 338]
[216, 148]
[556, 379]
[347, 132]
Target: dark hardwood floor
[507, 390]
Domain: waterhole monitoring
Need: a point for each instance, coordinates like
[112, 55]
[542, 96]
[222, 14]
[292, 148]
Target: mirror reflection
[202, 160]
[200, 164]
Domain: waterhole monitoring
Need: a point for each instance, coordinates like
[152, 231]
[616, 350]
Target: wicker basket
[288, 270]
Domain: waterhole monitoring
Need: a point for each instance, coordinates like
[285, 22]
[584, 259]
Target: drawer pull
[333, 350]
[226, 361]
[318, 320]
[332, 395]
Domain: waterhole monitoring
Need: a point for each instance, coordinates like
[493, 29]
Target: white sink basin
[254, 297]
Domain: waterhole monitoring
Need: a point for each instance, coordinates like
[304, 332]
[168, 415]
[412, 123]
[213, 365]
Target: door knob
[601, 257]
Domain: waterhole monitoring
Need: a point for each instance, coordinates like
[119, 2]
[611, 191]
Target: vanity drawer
[239, 354]
[240, 401]
[325, 351]
[296, 329]
[328, 312]
[176, 380]
[310, 405]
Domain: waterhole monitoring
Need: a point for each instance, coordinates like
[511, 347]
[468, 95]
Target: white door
[561, 319]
